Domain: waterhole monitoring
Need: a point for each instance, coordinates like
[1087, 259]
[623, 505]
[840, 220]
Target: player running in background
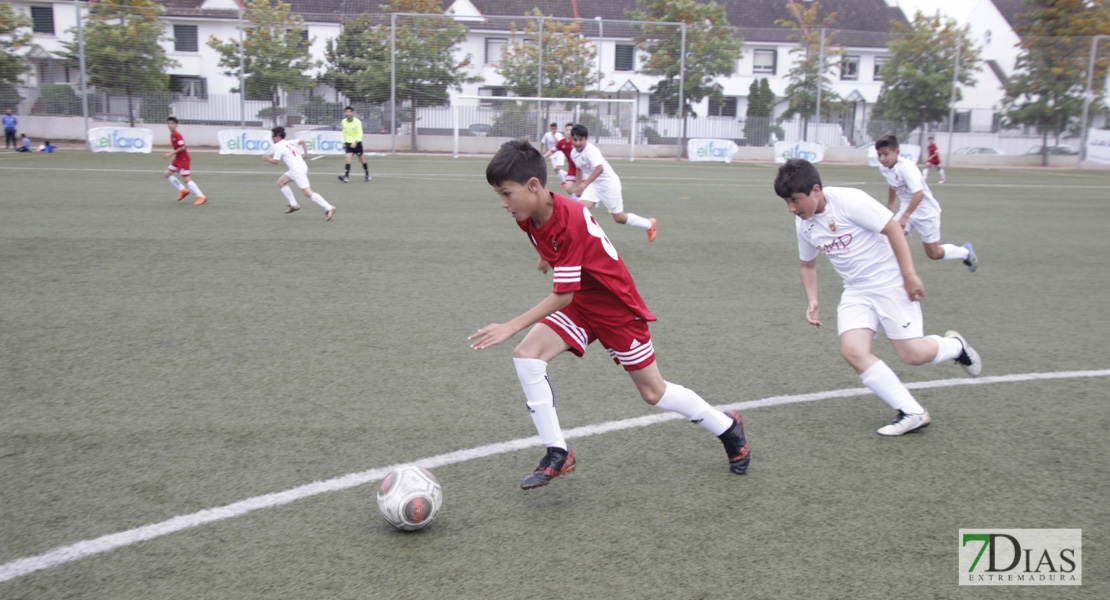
[550, 143]
[566, 147]
[292, 152]
[352, 143]
[932, 159]
[919, 210]
[180, 164]
[594, 297]
[867, 248]
[599, 183]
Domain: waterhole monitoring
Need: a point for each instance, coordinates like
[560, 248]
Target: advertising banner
[1098, 145]
[711, 150]
[244, 141]
[910, 151]
[120, 139]
[323, 142]
[811, 151]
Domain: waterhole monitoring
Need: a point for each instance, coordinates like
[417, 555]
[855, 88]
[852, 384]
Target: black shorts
[355, 148]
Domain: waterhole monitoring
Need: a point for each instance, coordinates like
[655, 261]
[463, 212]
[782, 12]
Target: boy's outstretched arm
[914, 202]
[914, 287]
[495, 333]
[809, 284]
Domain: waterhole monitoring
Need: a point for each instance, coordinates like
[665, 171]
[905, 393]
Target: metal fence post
[1087, 98]
[242, 77]
[820, 84]
[539, 82]
[952, 102]
[681, 91]
[393, 83]
[81, 63]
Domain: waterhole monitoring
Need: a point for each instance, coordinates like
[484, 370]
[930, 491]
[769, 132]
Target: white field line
[73, 552]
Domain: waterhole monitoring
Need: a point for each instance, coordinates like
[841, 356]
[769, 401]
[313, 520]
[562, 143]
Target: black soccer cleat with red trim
[736, 445]
[555, 463]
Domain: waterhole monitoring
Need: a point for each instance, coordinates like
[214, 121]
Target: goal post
[611, 121]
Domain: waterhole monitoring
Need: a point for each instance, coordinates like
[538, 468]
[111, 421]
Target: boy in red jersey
[594, 297]
[566, 147]
[932, 159]
[180, 164]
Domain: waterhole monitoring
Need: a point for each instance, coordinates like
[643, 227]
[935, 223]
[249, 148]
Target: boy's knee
[620, 218]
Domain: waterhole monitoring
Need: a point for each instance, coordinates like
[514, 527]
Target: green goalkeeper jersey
[352, 131]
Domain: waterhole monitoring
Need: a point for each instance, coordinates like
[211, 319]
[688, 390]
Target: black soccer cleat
[344, 179]
[736, 446]
[555, 463]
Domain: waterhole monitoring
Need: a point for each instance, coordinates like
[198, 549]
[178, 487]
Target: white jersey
[549, 140]
[906, 181]
[589, 159]
[290, 152]
[849, 233]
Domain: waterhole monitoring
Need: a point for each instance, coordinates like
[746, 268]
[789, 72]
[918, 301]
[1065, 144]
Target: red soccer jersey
[933, 157]
[565, 146]
[179, 142]
[585, 261]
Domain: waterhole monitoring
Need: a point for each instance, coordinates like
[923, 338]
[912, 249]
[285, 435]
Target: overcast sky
[957, 9]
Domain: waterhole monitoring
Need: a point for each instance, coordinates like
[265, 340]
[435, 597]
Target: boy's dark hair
[278, 131]
[579, 130]
[555, 125]
[570, 125]
[349, 108]
[887, 141]
[796, 176]
[517, 161]
[174, 119]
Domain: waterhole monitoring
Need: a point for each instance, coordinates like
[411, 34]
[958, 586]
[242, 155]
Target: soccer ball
[409, 498]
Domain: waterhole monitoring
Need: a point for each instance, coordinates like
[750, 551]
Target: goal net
[611, 122]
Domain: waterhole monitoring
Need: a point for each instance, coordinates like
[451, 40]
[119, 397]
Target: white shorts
[608, 194]
[299, 177]
[890, 307]
[929, 228]
[558, 159]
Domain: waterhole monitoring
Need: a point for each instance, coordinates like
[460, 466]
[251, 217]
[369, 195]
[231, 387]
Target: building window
[42, 18]
[765, 62]
[188, 86]
[849, 68]
[656, 106]
[725, 108]
[879, 62]
[493, 92]
[625, 58]
[494, 48]
[185, 38]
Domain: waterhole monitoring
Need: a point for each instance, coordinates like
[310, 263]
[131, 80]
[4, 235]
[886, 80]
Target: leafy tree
[917, 79]
[427, 65]
[15, 35]
[276, 54]
[123, 53]
[712, 50]
[810, 73]
[761, 105]
[568, 59]
[1050, 75]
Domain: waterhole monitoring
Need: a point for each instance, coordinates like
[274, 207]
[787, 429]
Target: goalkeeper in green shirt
[352, 143]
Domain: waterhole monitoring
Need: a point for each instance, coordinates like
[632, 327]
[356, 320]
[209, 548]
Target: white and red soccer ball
[409, 498]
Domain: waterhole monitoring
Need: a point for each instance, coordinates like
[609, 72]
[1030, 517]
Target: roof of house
[1014, 12]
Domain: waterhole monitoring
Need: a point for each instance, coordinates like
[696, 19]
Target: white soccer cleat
[969, 358]
[906, 423]
[972, 260]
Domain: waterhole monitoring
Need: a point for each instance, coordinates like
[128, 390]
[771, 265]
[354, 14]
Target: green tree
[1050, 75]
[816, 59]
[568, 59]
[354, 61]
[761, 105]
[276, 54]
[123, 50]
[15, 36]
[712, 50]
[917, 78]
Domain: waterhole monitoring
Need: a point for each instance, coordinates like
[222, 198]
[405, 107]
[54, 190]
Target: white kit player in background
[292, 152]
[598, 183]
[919, 210]
[549, 141]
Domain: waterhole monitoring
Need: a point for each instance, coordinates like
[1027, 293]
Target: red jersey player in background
[566, 147]
[932, 159]
[594, 297]
[180, 164]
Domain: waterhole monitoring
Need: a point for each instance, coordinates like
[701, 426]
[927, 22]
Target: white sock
[925, 173]
[635, 220]
[954, 252]
[318, 199]
[194, 188]
[175, 182]
[941, 173]
[947, 348]
[885, 383]
[288, 193]
[532, 373]
[562, 177]
[689, 404]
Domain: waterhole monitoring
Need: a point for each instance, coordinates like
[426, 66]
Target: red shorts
[572, 172]
[180, 166]
[626, 337]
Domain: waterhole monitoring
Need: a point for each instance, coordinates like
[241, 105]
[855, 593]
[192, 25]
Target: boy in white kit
[919, 210]
[598, 182]
[292, 152]
[550, 141]
[867, 248]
